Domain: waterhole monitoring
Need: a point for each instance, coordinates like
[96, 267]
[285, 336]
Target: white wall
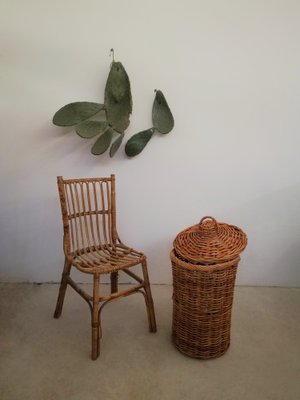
[230, 72]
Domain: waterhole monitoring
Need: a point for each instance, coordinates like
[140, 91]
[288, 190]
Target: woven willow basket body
[203, 290]
[202, 304]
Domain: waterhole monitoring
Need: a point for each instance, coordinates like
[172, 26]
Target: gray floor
[43, 358]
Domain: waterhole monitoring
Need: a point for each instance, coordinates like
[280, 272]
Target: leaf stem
[112, 54]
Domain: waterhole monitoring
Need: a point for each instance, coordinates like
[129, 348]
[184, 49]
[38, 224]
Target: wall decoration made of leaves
[109, 120]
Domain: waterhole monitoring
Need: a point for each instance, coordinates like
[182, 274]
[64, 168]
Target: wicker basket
[203, 286]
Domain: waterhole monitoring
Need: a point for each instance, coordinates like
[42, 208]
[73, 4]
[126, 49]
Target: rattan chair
[92, 245]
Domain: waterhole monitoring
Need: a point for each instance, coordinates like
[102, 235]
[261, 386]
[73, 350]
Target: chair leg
[95, 320]
[62, 289]
[149, 300]
[114, 282]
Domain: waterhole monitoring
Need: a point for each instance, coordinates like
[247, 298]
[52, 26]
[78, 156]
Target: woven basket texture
[202, 304]
[210, 242]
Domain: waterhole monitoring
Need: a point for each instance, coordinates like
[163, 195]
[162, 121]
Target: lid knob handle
[212, 219]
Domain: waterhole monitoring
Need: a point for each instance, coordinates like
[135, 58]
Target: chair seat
[105, 259]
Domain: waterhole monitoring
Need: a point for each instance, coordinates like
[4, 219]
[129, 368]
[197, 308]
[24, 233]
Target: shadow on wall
[63, 143]
[159, 264]
[290, 264]
[29, 230]
[272, 224]
[32, 234]
[272, 257]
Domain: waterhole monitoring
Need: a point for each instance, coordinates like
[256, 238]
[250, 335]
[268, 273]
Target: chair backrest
[89, 213]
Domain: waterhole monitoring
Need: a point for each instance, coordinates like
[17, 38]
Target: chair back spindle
[89, 214]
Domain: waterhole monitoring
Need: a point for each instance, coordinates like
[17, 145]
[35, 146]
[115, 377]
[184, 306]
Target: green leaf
[137, 142]
[89, 129]
[117, 98]
[116, 144]
[73, 113]
[103, 143]
[162, 117]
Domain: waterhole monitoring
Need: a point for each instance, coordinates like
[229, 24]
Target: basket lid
[210, 242]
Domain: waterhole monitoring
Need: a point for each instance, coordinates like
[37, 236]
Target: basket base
[203, 354]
